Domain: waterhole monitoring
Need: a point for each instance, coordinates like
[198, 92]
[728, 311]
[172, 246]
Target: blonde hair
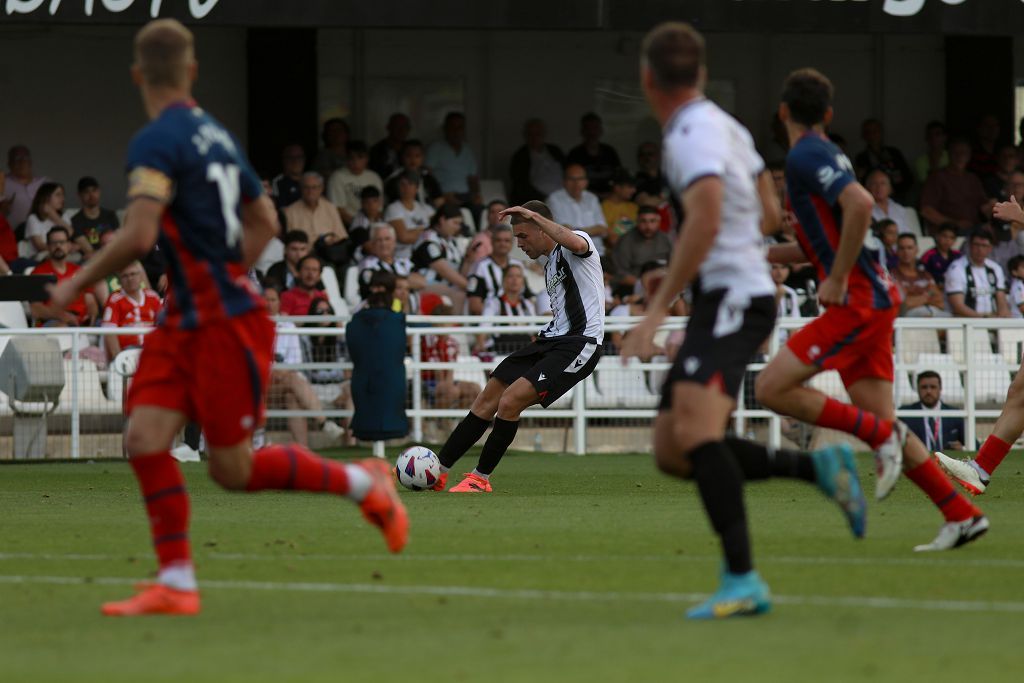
[164, 51]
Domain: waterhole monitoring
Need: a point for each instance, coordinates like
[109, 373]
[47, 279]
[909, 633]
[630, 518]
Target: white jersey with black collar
[702, 140]
[575, 284]
[485, 279]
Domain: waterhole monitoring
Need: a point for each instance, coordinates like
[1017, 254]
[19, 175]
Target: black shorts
[720, 340]
[552, 366]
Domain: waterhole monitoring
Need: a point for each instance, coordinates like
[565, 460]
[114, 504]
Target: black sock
[497, 443]
[462, 439]
[760, 462]
[720, 483]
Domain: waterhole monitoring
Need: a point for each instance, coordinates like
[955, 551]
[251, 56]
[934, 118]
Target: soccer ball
[417, 468]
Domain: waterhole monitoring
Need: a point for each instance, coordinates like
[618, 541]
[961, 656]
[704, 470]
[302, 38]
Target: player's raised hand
[519, 211]
[832, 292]
[1010, 211]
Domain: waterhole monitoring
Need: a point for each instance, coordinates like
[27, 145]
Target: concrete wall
[68, 96]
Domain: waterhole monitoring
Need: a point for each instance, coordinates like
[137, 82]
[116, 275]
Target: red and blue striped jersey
[817, 172]
[190, 162]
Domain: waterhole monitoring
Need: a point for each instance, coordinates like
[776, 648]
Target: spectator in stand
[536, 167]
[383, 244]
[975, 284]
[1015, 297]
[290, 389]
[47, 212]
[283, 274]
[407, 215]
[1006, 163]
[314, 214]
[384, 155]
[81, 311]
[485, 280]
[937, 156]
[577, 208]
[620, 211]
[134, 305]
[411, 159]
[937, 432]
[371, 211]
[286, 187]
[511, 302]
[348, 182]
[887, 233]
[937, 259]
[406, 301]
[20, 186]
[643, 244]
[323, 348]
[306, 290]
[438, 258]
[599, 160]
[8, 241]
[649, 178]
[92, 220]
[880, 187]
[922, 298]
[985, 151]
[331, 157]
[877, 155]
[786, 298]
[442, 390]
[954, 194]
[494, 209]
[454, 165]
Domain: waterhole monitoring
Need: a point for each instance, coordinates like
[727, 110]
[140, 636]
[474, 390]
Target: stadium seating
[352, 287]
[1011, 344]
[122, 369]
[330, 280]
[977, 342]
[991, 378]
[491, 189]
[613, 386]
[904, 391]
[914, 342]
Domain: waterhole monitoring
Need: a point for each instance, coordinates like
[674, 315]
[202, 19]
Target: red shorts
[216, 375]
[855, 341]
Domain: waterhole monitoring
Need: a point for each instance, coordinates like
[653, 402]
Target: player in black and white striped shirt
[565, 352]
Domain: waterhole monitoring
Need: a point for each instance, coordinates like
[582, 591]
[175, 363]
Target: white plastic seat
[330, 280]
[949, 373]
[904, 391]
[613, 386]
[978, 342]
[914, 226]
[914, 342]
[12, 315]
[91, 399]
[992, 378]
[491, 189]
[924, 243]
[1011, 343]
[352, 287]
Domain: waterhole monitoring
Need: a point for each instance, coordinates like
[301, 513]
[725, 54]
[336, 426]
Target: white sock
[984, 475]
[485, 477]
[359, 483]
[180, 576]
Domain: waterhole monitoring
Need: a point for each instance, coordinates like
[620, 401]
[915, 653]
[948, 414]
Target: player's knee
[229, 474]
[509, 407]
[765, 389]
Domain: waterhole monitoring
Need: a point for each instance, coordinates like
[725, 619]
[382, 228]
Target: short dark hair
[87, 183]
[881, 224]
[296, 236]
[948, 226]
[981, 234]
[808, 94]
[56, 229]
[453, 115]
[1014, 263]
[357, 147]
[590, 116]
[408, 144]
[536, 206]
[907, 235]
[674, 53]
[493, 202]
[648, 209]
[410, 176]
[933, 124]
[308, 257]
[928, 374]
[381, 289]
[369, 192]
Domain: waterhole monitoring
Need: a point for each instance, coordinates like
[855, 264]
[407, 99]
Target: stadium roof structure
[993, 17]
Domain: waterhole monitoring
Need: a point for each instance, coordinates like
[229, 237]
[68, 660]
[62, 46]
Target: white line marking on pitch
[921, 562]
[866, 601]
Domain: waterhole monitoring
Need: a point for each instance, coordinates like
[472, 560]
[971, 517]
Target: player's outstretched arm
[133, 241]
[789, 252]
[259, 226]
[856, 203]
[559, 233]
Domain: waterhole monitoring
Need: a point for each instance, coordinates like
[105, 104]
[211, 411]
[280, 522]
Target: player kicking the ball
[565, 352]
[854, 335]
[726, 193]
[975, 474]
[192, 191]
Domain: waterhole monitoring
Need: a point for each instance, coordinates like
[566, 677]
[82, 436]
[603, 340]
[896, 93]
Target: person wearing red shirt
[82, 309]
[134, 306]
[297, 300]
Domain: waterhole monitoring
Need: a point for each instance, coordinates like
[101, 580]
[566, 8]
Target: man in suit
[938, 432]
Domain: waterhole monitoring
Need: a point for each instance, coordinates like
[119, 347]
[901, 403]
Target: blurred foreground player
[710, 161]
[192, 191]
[565, 351]
[854, 335]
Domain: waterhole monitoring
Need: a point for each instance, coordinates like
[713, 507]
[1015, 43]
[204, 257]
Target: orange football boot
[441, 482]
[471, 484]
[381, 506]
[154, 598]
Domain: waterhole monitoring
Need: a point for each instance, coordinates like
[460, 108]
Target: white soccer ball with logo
[417, 468]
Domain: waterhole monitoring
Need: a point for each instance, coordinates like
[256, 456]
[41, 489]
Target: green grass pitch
[575, 569]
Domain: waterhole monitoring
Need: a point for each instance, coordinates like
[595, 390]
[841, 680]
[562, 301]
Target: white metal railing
[579, 413]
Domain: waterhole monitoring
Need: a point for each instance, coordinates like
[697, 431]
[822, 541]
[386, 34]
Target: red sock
[866, 426]
[930, 479]
[163, 490]
[992, 453]
[293, 467]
